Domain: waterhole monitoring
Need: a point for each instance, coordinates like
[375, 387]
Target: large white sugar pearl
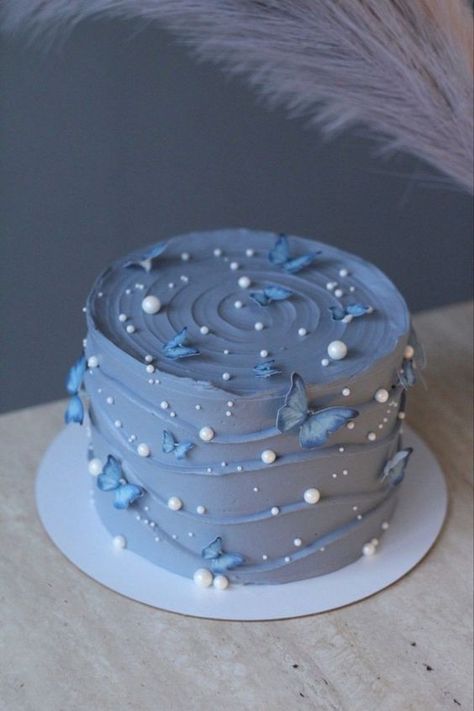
[368, 549]
[275, 510]
[409, 352]
[151, 304]
[203, 577]
[244, 282]
[221, 582]
[268, 456]
[302, 332]
[93, 362]
[381, 395]
[312, 496]
[95, 466]
[206, 433]
[143, 450]
[175, 503]
[337, 350]
[119, 542]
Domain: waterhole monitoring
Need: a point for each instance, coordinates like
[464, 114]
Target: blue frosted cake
[245, 393]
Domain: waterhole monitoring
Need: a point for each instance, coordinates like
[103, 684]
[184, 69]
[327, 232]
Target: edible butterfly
[269, 294]
[280, 255]
[112, 479]
[221, 561]
[169, 444]
[75, 408]
[394, 469]
[74, 411]
[341, 313]
[178, 348]
[145, 259]
[315, 427]
[407, 375]
[266, 368]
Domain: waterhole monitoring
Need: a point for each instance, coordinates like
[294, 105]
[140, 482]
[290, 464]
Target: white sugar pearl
[230, 403]
[175, 503]
[118, 423]
[325, 362]
[226, 376]
[258, 326]
[375, 542]
[164, 405]
[312, 496]
[297, 542]
[343, 272]
[185, 256]
[218, 252]
[204, 330]
[228, 413]
[148, 358]
[249, 252]
[302, 332]
[401, 415]
[385, 525]
[184, 278]
[346, 392]
[206, 434]
[130, 328]
[275, 511]
[350, 425]
[263, 354]
[150, 369]
[234, 266]
[331, 285]
[171, 285]
[143, 450]
[93, 362]
[221, 582]
[368, 549]
[244, 282]
[226, 351]
[172, 414]
[151, 304]
[409, 352]
[200, 509]
[95, 466]
[109, 400]
[203, 577]
[268, 456]
[338, 293]
[337, 350]
[371, 436]
[238, 304]
[119, 542]
[381, 395]
[197, 407]
[122, 318]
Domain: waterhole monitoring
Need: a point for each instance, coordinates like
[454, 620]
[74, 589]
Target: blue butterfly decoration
[280, 255]
[178, 348]
[219, 560]
[269, 294]
[394, 469]
[266, 369]
[315, 427]
[112, 479]
[339, 313]
[169, 444]
[407, 375]
[75, 409]
[145, 260]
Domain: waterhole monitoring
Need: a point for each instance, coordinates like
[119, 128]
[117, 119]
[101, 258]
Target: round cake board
[63, 496]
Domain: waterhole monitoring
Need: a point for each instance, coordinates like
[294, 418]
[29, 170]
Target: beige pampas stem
[403, 68]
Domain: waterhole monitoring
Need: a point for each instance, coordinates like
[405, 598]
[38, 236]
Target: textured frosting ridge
[246, 484]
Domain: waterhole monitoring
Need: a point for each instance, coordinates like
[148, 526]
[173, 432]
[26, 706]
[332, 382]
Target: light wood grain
[66, 643]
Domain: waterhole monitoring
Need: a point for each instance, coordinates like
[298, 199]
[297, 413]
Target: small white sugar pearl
[230, 403]
[143, 450]
[371, 436]
[409, 352]
[206, 434]
[148, 358]
[249, 252]
[297, 542]
[368, 549]
[343, 272]
[164, 405]
[119, 542]
[109, 400]
[150, 368]
[331, 285]
[200, 509]
[258, 326]
[118, 423]
[268, 456]
[238, 304]
[302, 332]
[226, 376]
[218, 252]
[95, 466]
[381, 395]
[350, 425]
[312, 496]
[130, 328]
[401, 415]
[122, 318]
[185, 256]
[338, 293]
[275, 511]
[263, 354]
[234, 266]
[151, 304]
[203, 577]
[204, 330]
[244, 282]
[93, 362]
[175, 503]
[325, 362]
[385, 525]
[346, 392]
[221, 582]
[337, 350]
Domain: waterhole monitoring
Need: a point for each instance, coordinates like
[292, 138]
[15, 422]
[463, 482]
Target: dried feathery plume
[403, 68]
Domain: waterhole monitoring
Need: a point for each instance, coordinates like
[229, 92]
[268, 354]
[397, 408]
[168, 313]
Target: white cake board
[63, 489]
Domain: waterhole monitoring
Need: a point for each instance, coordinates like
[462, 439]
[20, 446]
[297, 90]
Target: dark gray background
[119, 137]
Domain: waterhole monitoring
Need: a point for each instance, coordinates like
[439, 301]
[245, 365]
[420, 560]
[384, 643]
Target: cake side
[199, 435]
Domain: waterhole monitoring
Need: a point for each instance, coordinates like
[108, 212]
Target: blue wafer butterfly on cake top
[280, 256]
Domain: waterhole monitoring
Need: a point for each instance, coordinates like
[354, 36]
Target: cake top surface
[241, 310]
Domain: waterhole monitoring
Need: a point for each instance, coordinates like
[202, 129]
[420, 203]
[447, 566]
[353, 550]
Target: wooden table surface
[67, 643]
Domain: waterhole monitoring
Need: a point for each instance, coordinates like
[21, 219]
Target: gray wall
[119, 137]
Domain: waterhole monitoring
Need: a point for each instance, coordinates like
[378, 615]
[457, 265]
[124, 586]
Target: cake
[245, 395]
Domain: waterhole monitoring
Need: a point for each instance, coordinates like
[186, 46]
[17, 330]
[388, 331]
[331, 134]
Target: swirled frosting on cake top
[245, 392]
